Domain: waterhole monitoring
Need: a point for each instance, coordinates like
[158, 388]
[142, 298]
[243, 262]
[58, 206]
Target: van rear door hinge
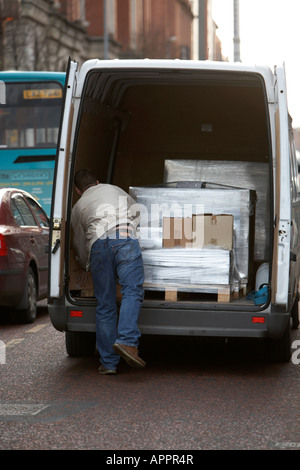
[56, 231]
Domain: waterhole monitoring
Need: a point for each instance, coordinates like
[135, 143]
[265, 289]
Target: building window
[133, 25]
[111, 8]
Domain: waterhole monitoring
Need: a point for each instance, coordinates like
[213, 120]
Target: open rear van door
[282, 229]
[58, 215]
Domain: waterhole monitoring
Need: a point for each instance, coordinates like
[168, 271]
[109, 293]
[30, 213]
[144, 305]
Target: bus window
[29, 125]
[31, 115]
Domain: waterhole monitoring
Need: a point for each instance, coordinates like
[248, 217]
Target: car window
[21, 211]
[16, 213]
[38, 212]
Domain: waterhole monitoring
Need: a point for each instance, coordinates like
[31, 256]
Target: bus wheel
[80, 343]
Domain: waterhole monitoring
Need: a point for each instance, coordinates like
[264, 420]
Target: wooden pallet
[171, 294]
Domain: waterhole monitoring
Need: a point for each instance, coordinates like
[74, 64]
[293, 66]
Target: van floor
[181, 297]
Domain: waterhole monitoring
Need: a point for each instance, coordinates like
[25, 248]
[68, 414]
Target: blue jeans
[111, 260]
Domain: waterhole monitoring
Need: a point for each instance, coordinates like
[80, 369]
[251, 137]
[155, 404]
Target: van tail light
[76, 313]
[3, 246]
[258, 319]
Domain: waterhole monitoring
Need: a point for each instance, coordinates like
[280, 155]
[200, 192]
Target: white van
[205, 149]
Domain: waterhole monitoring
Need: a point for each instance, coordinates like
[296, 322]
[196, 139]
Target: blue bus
[30, 112]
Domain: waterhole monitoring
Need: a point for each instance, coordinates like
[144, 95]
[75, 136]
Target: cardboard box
[198, 231]
[79, 278]
[177, 231]
[218, 231]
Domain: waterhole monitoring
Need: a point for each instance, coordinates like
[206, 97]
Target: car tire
[80, 343]
[280, 349]
[295, 312]
[26, 312]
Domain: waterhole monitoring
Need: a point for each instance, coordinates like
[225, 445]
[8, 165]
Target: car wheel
[280, 349]
[27, 313]
[80, 343]
[295, 312]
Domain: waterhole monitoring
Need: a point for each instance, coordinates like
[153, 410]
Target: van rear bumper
[184, 322]
[213, 323]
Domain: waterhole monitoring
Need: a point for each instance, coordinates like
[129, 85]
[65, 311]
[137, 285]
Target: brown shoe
[130, 355]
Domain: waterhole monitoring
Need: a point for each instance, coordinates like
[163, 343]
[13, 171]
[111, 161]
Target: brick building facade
[143, 28]
[42, 34]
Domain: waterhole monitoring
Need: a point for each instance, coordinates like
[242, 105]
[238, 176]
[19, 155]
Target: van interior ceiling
[134, 126]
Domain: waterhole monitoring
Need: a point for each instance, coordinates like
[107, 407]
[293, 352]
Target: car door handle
[32, 240]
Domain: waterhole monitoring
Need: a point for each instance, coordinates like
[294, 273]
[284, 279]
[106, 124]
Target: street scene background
[195, 393]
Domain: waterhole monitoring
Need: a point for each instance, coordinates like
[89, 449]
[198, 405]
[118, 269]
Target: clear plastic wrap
[248, 175]
[187, 267]
[160, 202]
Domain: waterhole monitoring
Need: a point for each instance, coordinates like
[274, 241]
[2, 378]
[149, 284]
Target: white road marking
[14, 342]
[37, 328]
[21, 409]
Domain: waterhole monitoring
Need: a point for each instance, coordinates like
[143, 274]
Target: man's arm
[134, 211]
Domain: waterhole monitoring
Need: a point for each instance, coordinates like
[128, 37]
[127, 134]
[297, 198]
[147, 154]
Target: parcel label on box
[218, 230]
